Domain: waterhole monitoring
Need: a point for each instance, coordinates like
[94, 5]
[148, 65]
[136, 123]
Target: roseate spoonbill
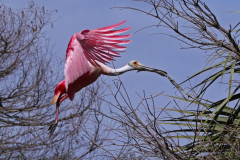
[86, 55]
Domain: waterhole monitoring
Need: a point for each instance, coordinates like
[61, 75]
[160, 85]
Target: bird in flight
[86, 55]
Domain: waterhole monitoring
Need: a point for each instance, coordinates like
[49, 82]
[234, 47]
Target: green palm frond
[214, 128]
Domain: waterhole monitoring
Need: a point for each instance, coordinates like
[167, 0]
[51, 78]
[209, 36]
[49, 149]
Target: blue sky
[158, 51]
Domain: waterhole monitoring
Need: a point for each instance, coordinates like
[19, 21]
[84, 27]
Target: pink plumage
[87, 53]
[90, 46]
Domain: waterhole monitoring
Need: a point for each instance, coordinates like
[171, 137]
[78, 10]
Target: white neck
[115, 72]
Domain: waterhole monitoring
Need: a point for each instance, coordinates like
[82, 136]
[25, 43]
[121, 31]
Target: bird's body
[86, 55]
[86, 79]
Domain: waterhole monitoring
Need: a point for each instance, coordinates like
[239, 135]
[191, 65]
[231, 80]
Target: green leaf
[231, 76]
[220, 107]
[229, 55]
[206, 69]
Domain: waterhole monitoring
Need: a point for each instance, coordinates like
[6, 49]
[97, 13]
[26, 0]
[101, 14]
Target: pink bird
[86, 55]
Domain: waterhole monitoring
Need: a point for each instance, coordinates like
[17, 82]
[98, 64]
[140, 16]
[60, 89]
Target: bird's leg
[54, 126]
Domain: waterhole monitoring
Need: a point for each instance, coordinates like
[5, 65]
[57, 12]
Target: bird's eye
[135, 64]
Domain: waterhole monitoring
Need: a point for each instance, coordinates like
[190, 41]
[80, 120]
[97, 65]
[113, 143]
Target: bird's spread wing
[91, 46]
[100, 44]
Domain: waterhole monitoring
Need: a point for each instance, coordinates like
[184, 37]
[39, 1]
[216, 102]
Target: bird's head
[135, 65]
[59, 91]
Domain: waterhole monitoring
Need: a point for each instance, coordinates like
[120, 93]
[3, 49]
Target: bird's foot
[52, 129]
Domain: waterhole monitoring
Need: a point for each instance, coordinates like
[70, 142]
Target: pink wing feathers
[76, 64]
[91, 46]
[98, 44]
